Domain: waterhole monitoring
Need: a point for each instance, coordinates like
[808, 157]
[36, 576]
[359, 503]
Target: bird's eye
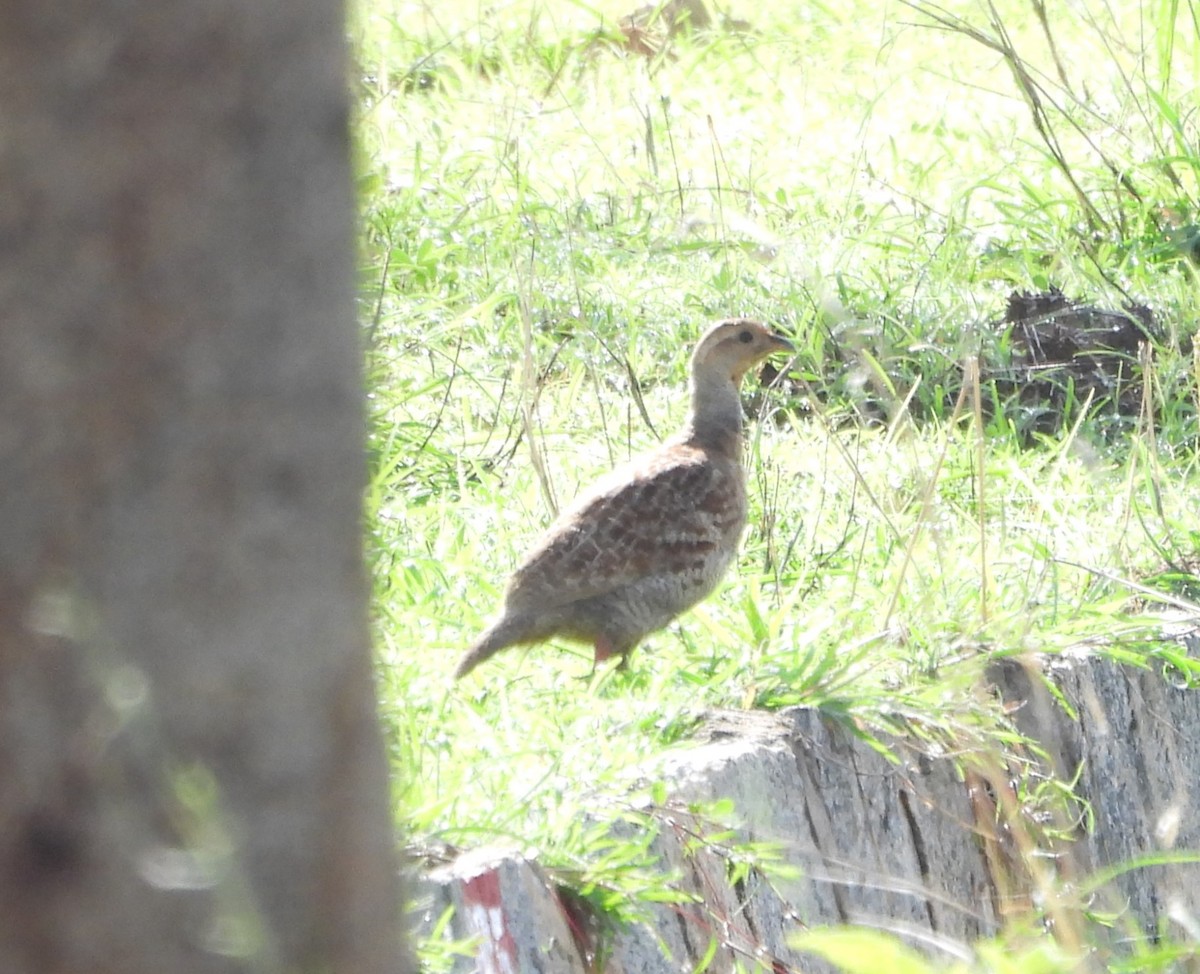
[746, 337]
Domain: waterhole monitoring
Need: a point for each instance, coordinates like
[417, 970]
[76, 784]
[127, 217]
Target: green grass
[549, 222]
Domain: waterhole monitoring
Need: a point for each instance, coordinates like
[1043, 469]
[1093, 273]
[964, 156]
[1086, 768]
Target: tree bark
[191, 776]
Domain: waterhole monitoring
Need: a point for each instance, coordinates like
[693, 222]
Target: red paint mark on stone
[485, 914]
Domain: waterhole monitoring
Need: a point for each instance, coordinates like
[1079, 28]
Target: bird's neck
[715, 421]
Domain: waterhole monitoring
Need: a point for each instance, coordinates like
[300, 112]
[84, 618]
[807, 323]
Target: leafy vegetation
[552, 211]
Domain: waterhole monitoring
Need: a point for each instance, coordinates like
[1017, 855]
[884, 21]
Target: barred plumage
[654, 537]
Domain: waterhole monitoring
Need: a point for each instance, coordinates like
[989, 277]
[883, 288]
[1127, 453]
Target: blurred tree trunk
[191, 776]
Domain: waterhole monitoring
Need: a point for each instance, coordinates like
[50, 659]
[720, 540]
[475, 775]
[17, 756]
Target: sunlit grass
[549, 222]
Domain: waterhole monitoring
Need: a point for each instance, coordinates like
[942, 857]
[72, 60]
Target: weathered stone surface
[1134, 742]
[507, 904]
[908, 842]
[874, 840]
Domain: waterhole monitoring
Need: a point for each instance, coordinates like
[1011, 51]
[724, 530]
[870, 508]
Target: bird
[652, 538]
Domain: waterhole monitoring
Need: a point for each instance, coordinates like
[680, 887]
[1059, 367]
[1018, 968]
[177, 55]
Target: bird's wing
[667, 514]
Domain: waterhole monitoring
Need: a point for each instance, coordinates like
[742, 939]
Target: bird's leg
[605, 650]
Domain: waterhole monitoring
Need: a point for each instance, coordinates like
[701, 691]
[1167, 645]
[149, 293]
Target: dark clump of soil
[1064, 353]
[1043, 361]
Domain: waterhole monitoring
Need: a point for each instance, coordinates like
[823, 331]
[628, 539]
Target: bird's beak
[782, 344]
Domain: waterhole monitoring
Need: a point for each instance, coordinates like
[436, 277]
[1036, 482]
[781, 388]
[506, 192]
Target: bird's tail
[500, 635]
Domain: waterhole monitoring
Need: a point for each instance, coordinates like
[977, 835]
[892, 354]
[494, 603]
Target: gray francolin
[654, 537]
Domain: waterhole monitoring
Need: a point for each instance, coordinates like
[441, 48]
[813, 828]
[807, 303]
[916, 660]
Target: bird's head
[734, 346]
